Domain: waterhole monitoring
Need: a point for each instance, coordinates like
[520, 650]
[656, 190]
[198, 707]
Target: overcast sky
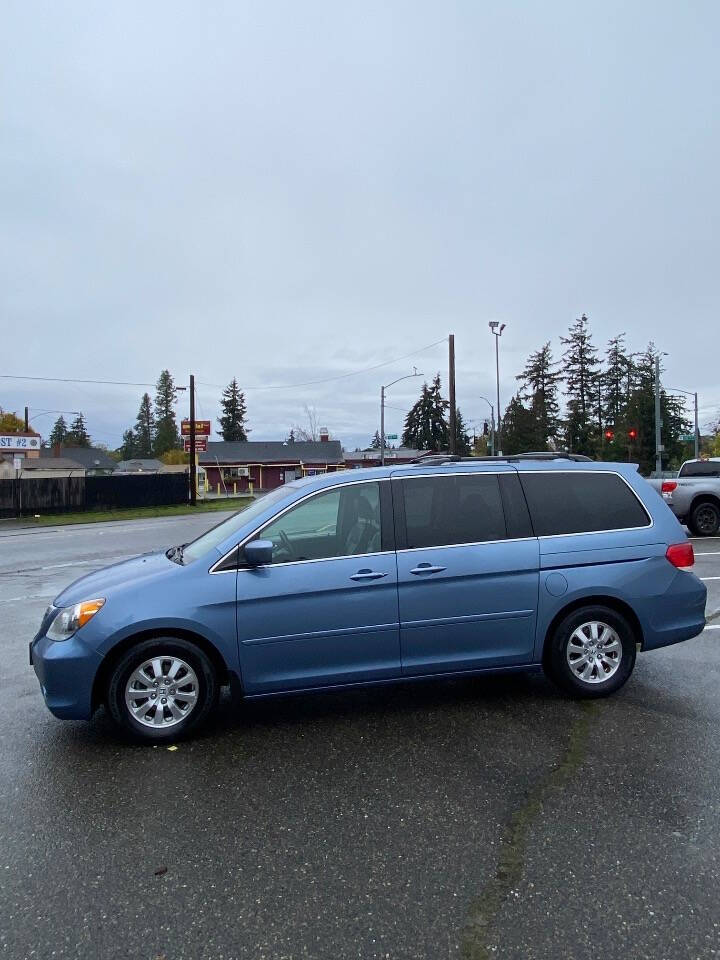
[285, 192]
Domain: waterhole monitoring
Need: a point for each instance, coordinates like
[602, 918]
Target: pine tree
[463, 441]
[581, 386]
[232, 421]
[519, 428]
[78, 435]
[425, 424]
[376, 442]
[144, 432]
[128, 449]
[540, 386]
[291, 436]
[166, 431]
[59, 432]
[640, 416]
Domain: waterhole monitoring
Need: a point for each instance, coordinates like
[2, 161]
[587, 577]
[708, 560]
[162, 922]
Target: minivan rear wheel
[591, 652]
[162, 689]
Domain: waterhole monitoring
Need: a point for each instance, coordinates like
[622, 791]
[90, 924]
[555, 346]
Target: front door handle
[426, 568]
[366, 574]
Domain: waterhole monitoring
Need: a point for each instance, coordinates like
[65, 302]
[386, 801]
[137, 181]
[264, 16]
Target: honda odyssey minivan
[445, 567]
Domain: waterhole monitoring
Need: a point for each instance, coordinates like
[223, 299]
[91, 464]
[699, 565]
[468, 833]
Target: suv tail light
[681, 555]
[668, 486]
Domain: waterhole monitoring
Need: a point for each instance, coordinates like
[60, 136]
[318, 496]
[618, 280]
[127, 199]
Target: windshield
[215, 535]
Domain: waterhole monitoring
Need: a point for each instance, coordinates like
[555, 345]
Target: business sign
[202, 428]
[200, 444]
[14, 441]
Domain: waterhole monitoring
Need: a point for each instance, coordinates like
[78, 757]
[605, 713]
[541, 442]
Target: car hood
[102, 582]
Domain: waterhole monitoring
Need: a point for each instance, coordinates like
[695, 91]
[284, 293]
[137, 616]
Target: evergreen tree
[540, 386]
[166, 431]
[425, 424]
[78, 435]
[127, 450]
[640, 416]
[59, 432]
[144, 432]
[232, 421]
[581, 368]
[376, 441]
[519, 428]
[291, 436]
[463, 441]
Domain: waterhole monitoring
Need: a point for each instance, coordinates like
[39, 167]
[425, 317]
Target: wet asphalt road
[476, 818]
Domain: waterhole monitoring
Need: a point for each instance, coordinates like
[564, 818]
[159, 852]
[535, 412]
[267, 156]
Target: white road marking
[712, 626]
[73, 563]
[29, 596]
[708, 578]
[714, 553]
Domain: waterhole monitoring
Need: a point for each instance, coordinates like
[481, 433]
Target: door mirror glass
[258, 553]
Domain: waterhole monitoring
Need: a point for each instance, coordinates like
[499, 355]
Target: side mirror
[258, 553]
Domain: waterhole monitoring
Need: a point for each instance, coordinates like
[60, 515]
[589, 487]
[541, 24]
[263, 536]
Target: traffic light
[485, 428]
[609, 435]
[632, 433]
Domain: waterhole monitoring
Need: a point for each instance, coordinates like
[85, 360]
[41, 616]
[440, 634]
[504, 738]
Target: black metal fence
[61, 494]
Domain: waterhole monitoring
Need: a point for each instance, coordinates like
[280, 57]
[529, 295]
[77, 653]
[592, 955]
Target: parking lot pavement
[475, 818]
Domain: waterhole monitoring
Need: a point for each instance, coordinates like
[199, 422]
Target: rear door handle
[366, 574]
[426, 568]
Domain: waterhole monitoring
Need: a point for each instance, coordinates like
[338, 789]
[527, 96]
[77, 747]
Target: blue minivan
[441, 568]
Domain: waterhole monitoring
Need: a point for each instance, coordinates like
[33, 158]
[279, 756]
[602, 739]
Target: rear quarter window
[562, 503]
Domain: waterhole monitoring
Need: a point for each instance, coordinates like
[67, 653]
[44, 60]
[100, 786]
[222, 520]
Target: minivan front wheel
[162, 689]
[591, 652]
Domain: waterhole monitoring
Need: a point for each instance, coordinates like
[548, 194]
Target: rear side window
[580, 502]
[445, 510]
[700, 468]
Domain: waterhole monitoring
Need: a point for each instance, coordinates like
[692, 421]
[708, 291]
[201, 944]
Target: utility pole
[492, 426]
[658, 421]
[27, 422]
[451, 381]
[697, 431]
[193, 467]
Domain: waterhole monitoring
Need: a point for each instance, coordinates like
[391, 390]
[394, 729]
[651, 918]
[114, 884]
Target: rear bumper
[676, 615]
[66, 670]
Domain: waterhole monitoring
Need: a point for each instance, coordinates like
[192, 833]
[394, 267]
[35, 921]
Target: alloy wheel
[162, 691]
[594, 652]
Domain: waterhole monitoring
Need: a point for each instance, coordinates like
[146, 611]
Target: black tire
[163, 649]
[556, 662]
[704, 519]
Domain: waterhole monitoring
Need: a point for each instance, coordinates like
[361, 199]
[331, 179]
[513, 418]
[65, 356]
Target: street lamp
[694, 395]
[492, 425]
[408, 376]
[496, 328]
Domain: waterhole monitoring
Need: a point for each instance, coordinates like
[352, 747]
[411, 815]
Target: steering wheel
[285, 541]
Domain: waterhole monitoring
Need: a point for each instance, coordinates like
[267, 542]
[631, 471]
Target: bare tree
[311, 432]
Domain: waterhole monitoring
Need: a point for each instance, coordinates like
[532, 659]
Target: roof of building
[51, 463]
[272, 451]
[91, 457]
[140, 465]
[391, 453]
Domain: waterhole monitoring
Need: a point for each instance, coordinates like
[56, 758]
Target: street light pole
[496, 329]
[658, 421]
[408, 376]
[693, 394]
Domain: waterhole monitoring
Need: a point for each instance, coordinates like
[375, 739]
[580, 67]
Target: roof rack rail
[442, 458]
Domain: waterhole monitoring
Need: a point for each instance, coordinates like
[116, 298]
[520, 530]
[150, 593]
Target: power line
[112, 383]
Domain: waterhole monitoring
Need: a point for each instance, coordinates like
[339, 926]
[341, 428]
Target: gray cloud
[282, 192]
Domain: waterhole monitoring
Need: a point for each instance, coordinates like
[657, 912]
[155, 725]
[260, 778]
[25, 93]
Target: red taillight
[681, 555]
[668, 486]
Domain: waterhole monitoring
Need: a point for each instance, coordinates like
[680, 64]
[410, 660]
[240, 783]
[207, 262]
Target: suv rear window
[579, 502]
[700, 468]
[446, 510]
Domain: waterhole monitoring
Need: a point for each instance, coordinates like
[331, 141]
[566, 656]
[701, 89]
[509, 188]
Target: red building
[371, 458]
[264, 465]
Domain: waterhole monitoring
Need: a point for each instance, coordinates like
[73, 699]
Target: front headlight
[70, 619]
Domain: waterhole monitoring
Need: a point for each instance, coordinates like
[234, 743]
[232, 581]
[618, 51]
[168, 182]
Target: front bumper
[66, 670]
